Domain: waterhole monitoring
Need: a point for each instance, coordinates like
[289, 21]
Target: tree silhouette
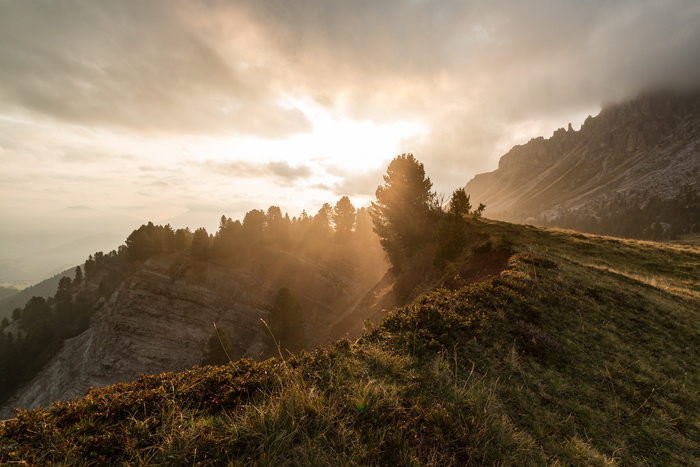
[278, 228]
[403, 213]
[322, 219]
[452, 229]
[228, 236]
[344, 216]
[182, 239]
[253, 227]
[285, 330]
[78, 275]
[218, 349]
[200, 244]
[149, 240]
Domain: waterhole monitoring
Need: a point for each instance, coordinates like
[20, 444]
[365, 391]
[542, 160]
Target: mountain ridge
[649, 144]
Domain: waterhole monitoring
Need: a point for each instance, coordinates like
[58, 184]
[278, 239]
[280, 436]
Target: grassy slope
[584, 351]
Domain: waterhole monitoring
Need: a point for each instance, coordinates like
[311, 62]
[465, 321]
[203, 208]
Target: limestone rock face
[161, 317]
[649, 144]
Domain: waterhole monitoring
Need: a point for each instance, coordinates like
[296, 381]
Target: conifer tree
[78, 275]
[200, 243]
[218, 349]
[451, 236]
[253, 227]
[344, 216]
[284, 331]
[403, 213]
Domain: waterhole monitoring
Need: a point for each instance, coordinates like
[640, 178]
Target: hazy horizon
[183, 111]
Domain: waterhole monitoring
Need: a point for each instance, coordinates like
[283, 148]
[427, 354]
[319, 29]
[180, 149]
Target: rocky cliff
[650, 145]
[160, 318]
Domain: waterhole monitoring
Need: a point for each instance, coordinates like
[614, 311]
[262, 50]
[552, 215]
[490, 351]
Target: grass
[582, 352]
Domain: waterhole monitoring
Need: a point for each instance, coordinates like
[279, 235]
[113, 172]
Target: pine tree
[78, 275]
[200, 244]
[218, 349]
[403, 214]
[285, 331]
[451, 236]
[344, 216]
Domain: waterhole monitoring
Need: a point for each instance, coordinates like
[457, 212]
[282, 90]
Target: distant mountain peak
[648, 147]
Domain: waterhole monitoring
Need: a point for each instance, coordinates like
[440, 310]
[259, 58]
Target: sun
[345, 142]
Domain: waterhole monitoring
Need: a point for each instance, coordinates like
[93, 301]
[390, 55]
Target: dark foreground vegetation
[582, 352]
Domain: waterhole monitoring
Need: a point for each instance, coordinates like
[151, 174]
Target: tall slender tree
[200, 244]
[344, 216]
[285, 330]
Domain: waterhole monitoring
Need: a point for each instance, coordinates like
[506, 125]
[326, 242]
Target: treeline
[38, 329]
[640, 215]
[259, 230]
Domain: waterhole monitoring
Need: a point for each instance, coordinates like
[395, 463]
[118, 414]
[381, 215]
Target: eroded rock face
[650, 144]
[161, 317]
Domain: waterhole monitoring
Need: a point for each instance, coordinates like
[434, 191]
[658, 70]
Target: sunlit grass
[582, 352]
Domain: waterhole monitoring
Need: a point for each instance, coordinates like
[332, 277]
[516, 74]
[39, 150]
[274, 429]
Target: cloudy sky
[152, 109]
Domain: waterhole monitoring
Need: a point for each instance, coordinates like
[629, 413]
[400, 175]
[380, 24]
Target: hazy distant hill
[637, 162]
[46, 288]
[35, 248]
[7, 291]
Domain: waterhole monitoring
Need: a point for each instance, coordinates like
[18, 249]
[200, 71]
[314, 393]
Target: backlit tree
[403, 213]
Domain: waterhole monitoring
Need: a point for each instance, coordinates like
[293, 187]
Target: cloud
[353, 183]
[397, 56]
[141, 66]
[281, 171]
[88, 155]
[286, 171]
[81, 81]
[222, 67]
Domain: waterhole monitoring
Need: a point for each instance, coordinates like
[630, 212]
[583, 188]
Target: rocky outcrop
[161, 317]
[650, 144]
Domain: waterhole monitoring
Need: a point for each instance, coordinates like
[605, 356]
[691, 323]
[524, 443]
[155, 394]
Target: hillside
[160, 315]
[634, 165]
[582, 350]
[19, 298]
[31, 252]
[7, 291]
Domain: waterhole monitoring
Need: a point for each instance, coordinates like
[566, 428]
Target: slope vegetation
[582, 351]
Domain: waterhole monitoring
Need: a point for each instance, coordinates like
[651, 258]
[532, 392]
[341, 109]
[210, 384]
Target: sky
[181, 111]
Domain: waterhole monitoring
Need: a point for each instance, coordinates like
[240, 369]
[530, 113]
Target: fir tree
[285, 331]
